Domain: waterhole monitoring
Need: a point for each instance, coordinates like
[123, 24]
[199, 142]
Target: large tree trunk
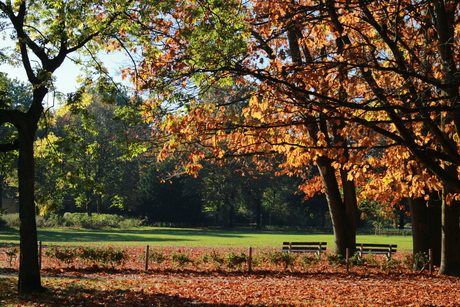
[450, 248]
[27, 124]
[343, 214]
[426, 228]
[29, 271]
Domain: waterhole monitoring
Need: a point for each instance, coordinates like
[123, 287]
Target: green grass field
[188, 237]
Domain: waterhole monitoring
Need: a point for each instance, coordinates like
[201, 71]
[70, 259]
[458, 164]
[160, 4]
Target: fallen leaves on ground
[205, 285]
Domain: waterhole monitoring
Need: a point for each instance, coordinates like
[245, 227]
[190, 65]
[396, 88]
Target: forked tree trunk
[343, 211]
[426, 228]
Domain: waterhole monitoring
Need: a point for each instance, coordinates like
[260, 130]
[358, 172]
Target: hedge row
[77, 220]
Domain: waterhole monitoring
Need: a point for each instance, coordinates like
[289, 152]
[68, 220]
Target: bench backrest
[377, 248]
[305, 246]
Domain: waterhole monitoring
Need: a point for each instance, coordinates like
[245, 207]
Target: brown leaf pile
[166, 284]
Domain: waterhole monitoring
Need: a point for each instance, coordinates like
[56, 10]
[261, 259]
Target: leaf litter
[205, 284]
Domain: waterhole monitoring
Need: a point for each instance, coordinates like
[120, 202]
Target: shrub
[419, 261]
[79, 220]
[282, 258]
[12, 219]
[257, 260]
[52, 220]
[88, 254]
[12, 253]
[155, 256]
[391, 264]
[216, 258]
[98, 220]
[335, 259]
[371, 260]
[105, 256]
[114, 256]
[63, 254]
[356, 259]
[131, 223]
[310, 260]
[181, 259]
[236, 260]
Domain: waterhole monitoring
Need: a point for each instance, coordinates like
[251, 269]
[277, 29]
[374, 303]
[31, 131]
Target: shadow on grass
[123, 235]
[102, 236]
[6, 233]
[76, 295]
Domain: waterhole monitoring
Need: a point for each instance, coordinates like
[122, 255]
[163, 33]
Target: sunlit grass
[188, 237]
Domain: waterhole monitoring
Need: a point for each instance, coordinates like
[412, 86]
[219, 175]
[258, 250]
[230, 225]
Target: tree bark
[343, 214]
[426, 228]
[29, 270]
[450, 245]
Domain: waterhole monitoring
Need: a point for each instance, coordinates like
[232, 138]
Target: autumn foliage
[364, 84]
[366, 91]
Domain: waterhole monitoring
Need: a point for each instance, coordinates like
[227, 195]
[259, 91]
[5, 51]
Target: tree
[259, 128]
[44, 33]
[12, 92]
[334, 80]
[96, 153]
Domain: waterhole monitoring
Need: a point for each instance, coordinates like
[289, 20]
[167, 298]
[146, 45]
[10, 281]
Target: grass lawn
[188, 237]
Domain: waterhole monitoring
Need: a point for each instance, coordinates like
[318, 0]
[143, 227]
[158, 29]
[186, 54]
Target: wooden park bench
[382, 249]
[304, 247]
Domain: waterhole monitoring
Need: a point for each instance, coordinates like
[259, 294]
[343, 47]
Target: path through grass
[189, 237]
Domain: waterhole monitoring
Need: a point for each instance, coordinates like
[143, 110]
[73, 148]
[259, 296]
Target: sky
[68, 72]
[66, 75]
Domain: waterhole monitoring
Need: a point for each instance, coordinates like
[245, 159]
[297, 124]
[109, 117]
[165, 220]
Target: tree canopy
[368, 90]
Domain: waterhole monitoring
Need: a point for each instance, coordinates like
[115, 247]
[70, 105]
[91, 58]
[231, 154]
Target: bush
[98, 220]
[216, 258]
[335, 259]
[113, 256]
[83, 220]
[391, 264]
[310, 260]
[212, 257]
[77, 220]
[371, 260]
[419, 261]
[131, 223]
[52, 220]
[12, 253]
[181, 259]
[154, 256]
[282, 258]
[63, 254]
[105, 256]
[12, 219]
[236, 260]
[356, 259]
